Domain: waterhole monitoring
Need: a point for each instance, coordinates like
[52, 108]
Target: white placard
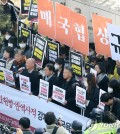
[25, 84]
[101, 104]
[19, 104]
[93, 71]
[114, 38]
[9, 79]
[58, 94]
[44, 89]
[80, 97]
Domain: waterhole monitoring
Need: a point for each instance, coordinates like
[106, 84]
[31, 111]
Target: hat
[39, 131]
[76, 125]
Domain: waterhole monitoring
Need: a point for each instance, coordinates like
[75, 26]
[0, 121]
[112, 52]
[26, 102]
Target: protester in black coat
[92, 95]
[102, 79]
[59, 66]
[33, 75]
[69, 85]
[111, 104]
[50, 77]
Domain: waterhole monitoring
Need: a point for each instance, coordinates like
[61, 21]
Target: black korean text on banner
[52, 51]
[20, 24]
[114, 37]
[25, 5]
[33, 12]
[27, 34]
[2, 66]
[76, 61]
[39, 50]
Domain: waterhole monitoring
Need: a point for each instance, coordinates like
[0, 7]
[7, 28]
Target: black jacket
[51, 83]
[70, 88]
[34, 79]
[59, 79]
[115, 108]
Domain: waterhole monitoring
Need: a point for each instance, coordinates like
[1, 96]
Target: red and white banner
[9, 79]
[101, 39]
[44, 89]
[25, 84]
[80, 97]
[79, 33]
[63, 24]
[15, 104]
[46, 19]
[58, 94]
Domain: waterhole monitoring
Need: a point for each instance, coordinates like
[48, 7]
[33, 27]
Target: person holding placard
[92, 94]
[33, 75]
[101, 79]
[50, 77]
[69, 84]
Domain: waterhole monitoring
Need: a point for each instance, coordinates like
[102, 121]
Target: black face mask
[76, 132]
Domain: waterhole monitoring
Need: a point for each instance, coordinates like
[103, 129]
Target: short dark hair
[10, 50]
[60, 61]
[50, 118]
[102, 67]
[105, 97]
[24, 122]
[108, 117]
[50, 67]
[22, 39]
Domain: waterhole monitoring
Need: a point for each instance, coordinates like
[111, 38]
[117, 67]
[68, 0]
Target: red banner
[101, 39]
[46, 21]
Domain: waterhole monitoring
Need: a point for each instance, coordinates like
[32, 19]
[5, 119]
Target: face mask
[85, 84]
[10, 44]
[91, 53]
[7, 37]
[110, 90]
[56, 67]
[22, 45]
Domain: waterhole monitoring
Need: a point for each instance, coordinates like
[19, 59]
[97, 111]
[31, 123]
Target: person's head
[118, 131]
[39, 131]
[49, 69]
[100, 68]
[8, 53]
[30, 64]
[76, 127]
[96, 115]
[19, 56]
[59, 63]
[22, 42]
[24, 123]
[67, 72]
[107, 99]
[50, 118]
[113, 86]
[108, 117]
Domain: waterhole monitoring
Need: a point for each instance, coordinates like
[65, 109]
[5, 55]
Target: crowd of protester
[18, 59]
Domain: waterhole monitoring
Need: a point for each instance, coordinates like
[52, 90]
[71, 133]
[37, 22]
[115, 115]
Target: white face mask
[91, 53]
[10, 44]
[110, 90]
[22, 45]
[85, 84]
[56, 66]
[4, 3]
[7, 37]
